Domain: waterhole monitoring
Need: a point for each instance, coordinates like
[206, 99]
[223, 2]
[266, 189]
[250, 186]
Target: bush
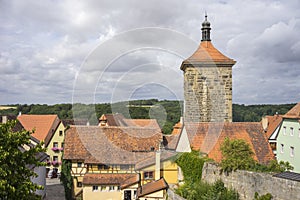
[236, 154]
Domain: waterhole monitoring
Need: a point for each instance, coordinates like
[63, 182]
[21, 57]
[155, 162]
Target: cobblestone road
[54, 189]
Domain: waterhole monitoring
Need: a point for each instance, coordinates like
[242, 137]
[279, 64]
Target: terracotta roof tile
[273, 123]
[177, 128]
[44, 125]
[207, 53]
[146, 123]
[294, 113]
[208, 137]
[126, 145]
[119, 120]
[109, 179]
[130, 181]
[152, 187]
[171, 141]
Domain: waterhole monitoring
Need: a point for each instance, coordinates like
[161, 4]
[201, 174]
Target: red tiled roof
[208, 54]
[208, 137]
[152, 187]
[44, 125]
[126, 145]
[177, 128]
[146, 123]
[130, 181]
[108, 179]
[119, 120]
[273, 123]
[171, 141]
[294, 113]
[113, 119]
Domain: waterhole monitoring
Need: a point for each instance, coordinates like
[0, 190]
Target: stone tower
[207, 83]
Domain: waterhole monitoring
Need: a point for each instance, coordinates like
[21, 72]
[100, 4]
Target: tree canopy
[15, 162]
[237, 154]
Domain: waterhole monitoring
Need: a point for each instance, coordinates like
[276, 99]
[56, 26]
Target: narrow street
[54, 189]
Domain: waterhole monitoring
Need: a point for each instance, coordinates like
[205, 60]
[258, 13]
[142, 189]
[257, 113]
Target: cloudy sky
[63, 51]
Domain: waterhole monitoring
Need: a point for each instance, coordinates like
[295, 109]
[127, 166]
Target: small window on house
[60, 133]
[95, 188]
[111, 188]
[299, 132]
[62, 145]
[292, 151]
[79, 164]
[282, 148]
[55, 144]
[284, 130]
[79, 184]
[148, 175]
[55, 158]
[292, 131]
[119, 187]
[103, 188]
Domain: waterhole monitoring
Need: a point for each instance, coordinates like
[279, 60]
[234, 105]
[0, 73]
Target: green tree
[66, 178]
[15, 175]
[236, 154]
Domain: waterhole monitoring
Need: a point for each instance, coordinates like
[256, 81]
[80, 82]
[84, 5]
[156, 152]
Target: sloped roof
[108, 179]
[152, 187]
[119, 120]
[126, 145]
[171, 141]
[294, 113]
[165, 155]
[177, 128]
[208, 137]
[207, 54]
[130, 181]
[146, 123]
[113, 119]
[44, 126]
[273, 123]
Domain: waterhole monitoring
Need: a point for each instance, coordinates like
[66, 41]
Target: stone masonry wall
[208, 94]
[247, 183]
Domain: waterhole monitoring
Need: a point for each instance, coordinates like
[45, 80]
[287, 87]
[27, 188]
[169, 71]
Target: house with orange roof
[288, 139]
[113, 162]
[207, 137]
[271, 126]
[50, 130]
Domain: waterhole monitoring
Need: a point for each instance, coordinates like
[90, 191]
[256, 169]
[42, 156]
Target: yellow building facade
[55, 148]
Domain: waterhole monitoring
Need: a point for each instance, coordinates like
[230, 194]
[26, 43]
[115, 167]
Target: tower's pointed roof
[206, 52]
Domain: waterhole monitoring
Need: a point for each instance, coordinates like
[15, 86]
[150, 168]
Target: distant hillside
[167, 112]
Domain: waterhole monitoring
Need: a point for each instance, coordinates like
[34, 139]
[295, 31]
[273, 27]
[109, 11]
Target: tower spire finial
[205, 29]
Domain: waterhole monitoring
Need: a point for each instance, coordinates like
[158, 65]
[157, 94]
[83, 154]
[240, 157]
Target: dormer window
[284, 130]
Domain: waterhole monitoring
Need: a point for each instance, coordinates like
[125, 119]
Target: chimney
[157, 163]
[20, 113]
[265, 123]
[88, 123]
[4, 119]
